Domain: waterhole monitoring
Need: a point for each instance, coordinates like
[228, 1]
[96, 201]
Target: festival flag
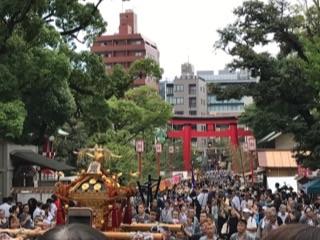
[192, 177]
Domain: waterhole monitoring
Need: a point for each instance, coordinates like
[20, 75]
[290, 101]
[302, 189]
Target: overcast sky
[181, 29]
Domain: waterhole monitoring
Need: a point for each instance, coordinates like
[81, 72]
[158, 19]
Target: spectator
[189, 228]
[273, 223]
[25, 218]
[283, 214]
[175, 217]
[141, 216]
[309, 217]
[210, 232]
[166, 213]
[3, 220]
[38, 211]
[6, 205]
[241, 233]
[251, 223]
[14, 221]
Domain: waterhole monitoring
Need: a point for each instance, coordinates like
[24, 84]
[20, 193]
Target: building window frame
[178, 88]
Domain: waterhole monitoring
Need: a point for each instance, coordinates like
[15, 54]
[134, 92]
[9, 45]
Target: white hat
[246, 210]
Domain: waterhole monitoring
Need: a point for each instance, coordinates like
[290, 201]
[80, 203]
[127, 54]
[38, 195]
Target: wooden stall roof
[276, 159]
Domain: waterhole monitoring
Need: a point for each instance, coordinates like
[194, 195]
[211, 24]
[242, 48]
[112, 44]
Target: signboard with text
[158, 148]
[251, 141]
[139, 146]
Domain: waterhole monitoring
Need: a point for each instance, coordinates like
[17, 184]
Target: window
[138, 54]
[120, 42]
[179, 100]
[211, 99]
[178, 112]
[170, 90]
[135, 42]
[234, 107]
[170, 99]
[192, 102]
[120, 54]
[193, 113]
[192, 89]
[178, 88]
[108, 54]
[106, 43]
[210, 109]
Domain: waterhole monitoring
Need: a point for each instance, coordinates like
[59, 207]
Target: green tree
[121, 81]
[91, 89]
[12, 115]
[286, 97]
[145, 67]
[156, 111]
[135, 116]
[40, 68]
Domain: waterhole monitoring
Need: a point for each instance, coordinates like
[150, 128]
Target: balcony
[109, 48]
[122, 59]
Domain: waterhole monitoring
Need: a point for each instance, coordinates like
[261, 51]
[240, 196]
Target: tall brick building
[126, 47]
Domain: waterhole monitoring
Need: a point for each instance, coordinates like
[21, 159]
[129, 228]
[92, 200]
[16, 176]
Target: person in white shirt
[6, 205]
[283, 214]
[235, 202]
[245, 201]
[48, 219]
[52, 207]
[166, 213]
[38, 212]
[251, 223]
[203, 198]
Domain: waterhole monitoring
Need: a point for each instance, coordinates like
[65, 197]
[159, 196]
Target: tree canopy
[41, 74]
[46, 83]
[145, 67]
[287, 95]
[135, 116]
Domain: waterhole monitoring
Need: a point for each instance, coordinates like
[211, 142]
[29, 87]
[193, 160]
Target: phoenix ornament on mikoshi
[98, 154]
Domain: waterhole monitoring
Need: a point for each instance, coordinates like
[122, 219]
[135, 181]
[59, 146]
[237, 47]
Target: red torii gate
[187, 133]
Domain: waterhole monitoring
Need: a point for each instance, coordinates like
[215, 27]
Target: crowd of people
[30, 215]
[220, 206]
[216, 206]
